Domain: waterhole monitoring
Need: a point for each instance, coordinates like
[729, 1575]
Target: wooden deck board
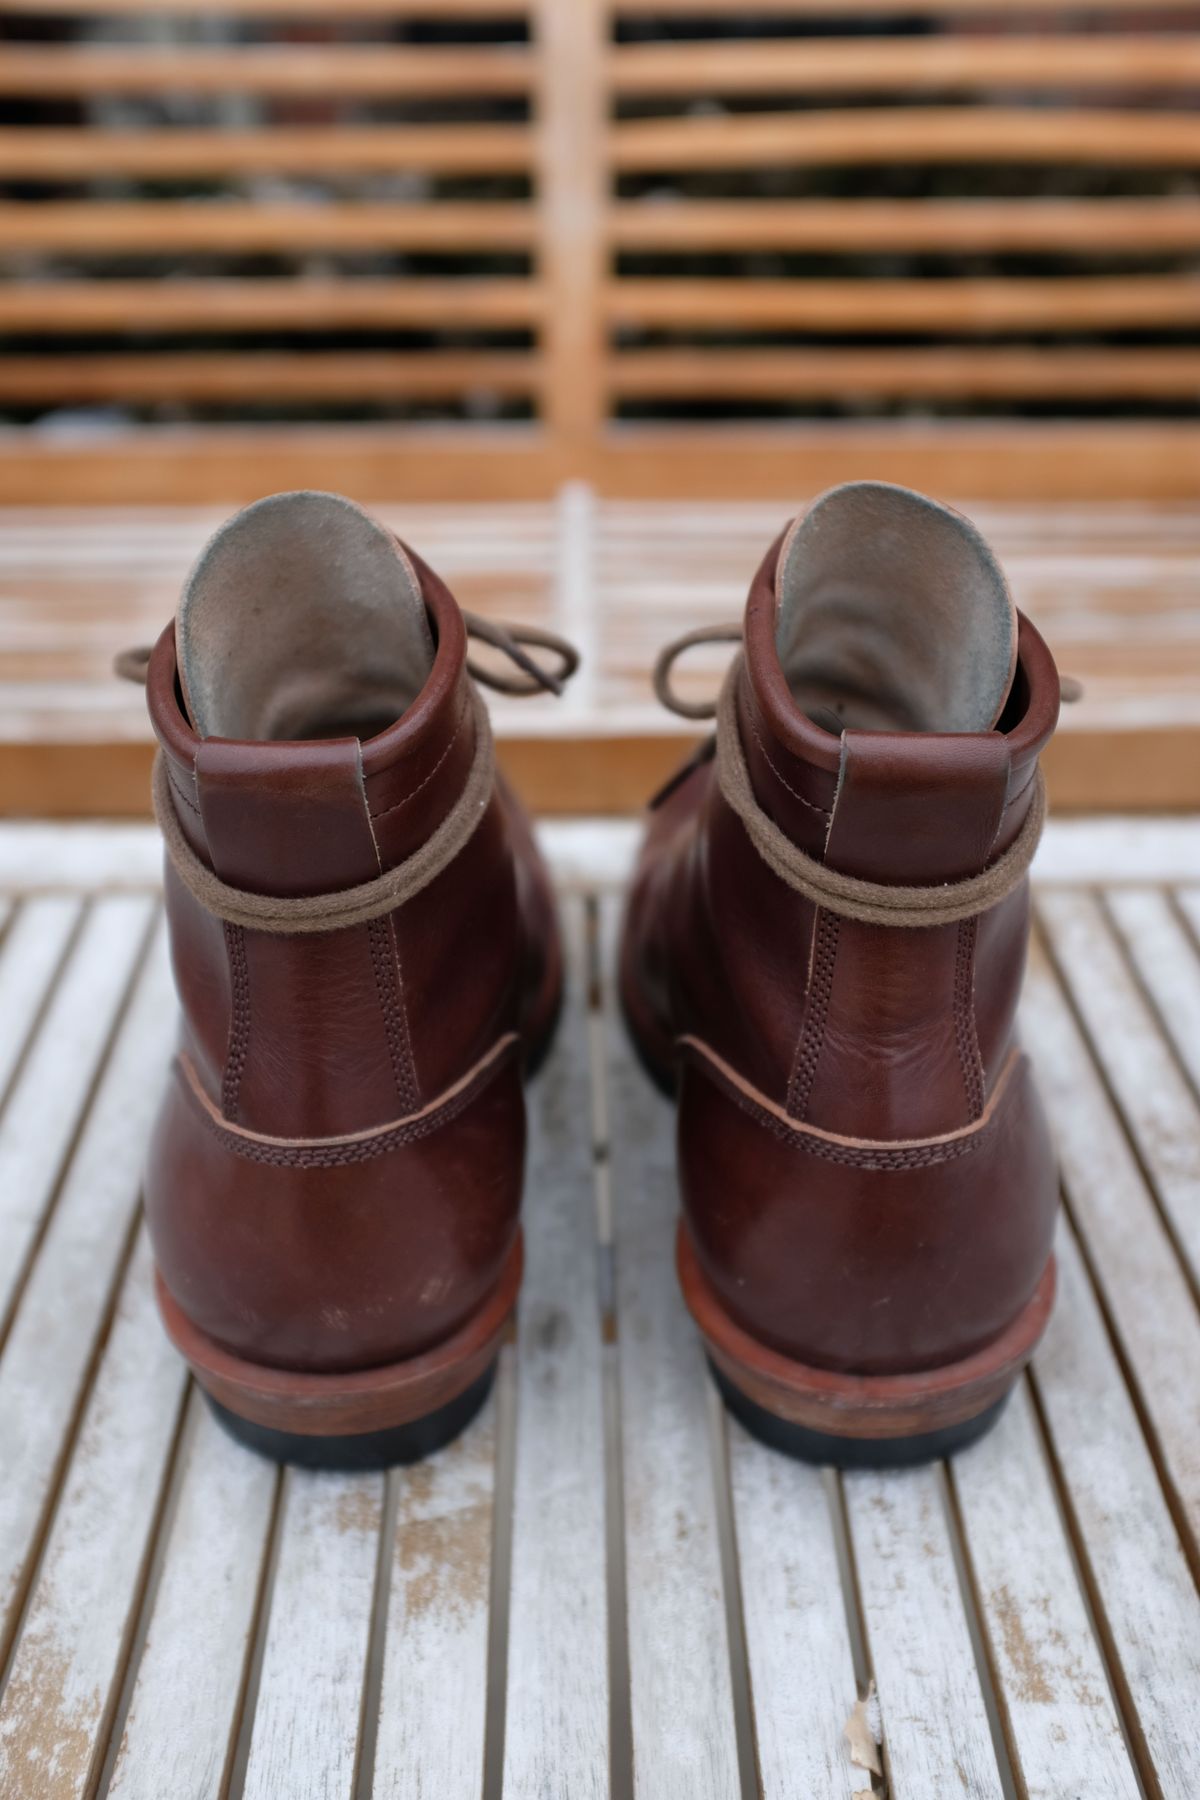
[1113, 586]
[605, 1587]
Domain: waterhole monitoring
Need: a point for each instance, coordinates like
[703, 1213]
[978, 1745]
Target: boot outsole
[365, 1450]
[859, 1421]
[827, 1449]
[352, 1419]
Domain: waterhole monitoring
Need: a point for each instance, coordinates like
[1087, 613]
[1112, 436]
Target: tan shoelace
[868, 902]
[370, 899]
[510, 640]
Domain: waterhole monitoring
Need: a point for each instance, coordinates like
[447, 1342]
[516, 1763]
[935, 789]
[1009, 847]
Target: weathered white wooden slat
[33, 947]
[556, 1724]
[308, 1715]
[1111, 849]
[45, 1360]
[433, 1703]
[67, 1667]
[1143, 1284]
[936, 1736]
[1164, 953]
[1061, 1719]
[35, 856]
[1126, 1042]
[178, 1736]
[55, 1078]
[1189, 901]
[1124, 1529]
[801, 1666]
[684, 1740]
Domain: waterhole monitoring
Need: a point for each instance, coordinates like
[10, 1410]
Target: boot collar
[890, 806]
[298, 818]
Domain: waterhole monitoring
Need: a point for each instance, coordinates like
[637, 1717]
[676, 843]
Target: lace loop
[730, 633]
[134, 664]
[371, 899]
[347, 906]
[510, 641]
[849, 896]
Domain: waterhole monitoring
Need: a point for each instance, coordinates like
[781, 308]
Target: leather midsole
[869, 1406]
[348, 1402]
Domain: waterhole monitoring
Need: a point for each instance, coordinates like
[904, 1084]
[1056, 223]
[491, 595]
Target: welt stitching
[337, 1156]
[964, 1016]
[397, 804]
[813, 1033]
[812, 806]
[923, 1156]
[239, 1023]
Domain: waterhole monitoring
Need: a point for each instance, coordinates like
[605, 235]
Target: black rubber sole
[369, 1449]
[827, 1449]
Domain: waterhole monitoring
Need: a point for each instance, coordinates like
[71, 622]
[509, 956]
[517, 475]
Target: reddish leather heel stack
[366, 955]
[823, 953]
[365, 1419]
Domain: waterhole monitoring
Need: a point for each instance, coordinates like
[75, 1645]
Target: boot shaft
[876, 1031]
[377, 1017]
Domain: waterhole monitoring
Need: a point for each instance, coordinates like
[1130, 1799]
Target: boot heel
[364, 1450]
[827, 1448]
[859, 1421]
[356, 1418]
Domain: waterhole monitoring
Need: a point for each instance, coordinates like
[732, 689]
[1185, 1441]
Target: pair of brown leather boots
[822, 956]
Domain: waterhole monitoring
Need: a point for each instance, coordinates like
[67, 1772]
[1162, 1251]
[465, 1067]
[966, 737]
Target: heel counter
[338, 1253]
[877, 1256]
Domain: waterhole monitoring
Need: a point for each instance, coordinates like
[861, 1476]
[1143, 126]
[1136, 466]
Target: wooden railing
[593, 238]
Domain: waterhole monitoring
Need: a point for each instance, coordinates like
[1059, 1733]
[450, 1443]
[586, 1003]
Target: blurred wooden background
[434, 247]
[523, 273]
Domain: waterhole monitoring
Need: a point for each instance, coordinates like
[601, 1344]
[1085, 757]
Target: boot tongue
[893, 615]
[302, 618]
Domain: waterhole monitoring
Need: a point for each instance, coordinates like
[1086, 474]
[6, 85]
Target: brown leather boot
[365, 949]
[824, 948]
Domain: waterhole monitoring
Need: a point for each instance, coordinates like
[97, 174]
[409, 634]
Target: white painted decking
[605, 1586]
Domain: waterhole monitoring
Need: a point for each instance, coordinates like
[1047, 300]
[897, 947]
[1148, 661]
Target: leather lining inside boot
[302, 618]
[893, 615]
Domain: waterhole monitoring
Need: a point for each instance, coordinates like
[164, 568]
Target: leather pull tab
[917, 808]
[286, 819]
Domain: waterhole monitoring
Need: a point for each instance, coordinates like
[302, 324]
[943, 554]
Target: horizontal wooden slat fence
[413, 247]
